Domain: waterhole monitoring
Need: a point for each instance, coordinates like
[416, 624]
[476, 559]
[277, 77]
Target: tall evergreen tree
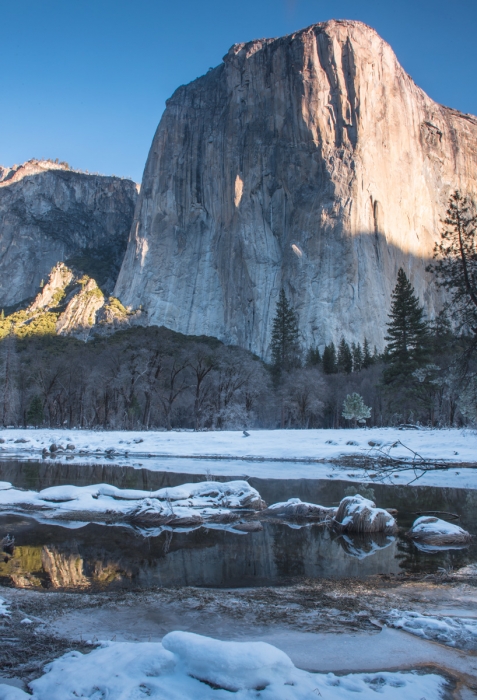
[367, 357]
[329, 359]
[357, 357]
[345, 358]
[285, 344]
[313, 357]
[455, 268]
[408, 336]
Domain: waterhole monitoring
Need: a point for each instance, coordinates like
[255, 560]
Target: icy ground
[187, 665]
[309, 449]
[325, 626]
[453, 631]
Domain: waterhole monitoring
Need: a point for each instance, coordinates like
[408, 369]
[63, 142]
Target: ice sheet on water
[189, 666]
[458, 632]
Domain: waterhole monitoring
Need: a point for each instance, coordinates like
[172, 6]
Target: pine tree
[35, 415]
[345, 358]
[329, 359]
[367, 357]
[408, 336]
[455, 268]
[357, 357]
[313, 357]
[355, 410]
[285, 344]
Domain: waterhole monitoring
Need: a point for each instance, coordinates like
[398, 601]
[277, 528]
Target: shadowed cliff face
[49, 214]
[311, 161]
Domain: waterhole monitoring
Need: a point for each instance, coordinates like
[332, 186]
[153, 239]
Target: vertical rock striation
[311, 161]
[50, 214]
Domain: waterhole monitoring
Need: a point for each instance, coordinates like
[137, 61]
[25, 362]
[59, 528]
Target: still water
[49, 556]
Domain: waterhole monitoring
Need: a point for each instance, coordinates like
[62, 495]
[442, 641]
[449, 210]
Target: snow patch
[189, 666]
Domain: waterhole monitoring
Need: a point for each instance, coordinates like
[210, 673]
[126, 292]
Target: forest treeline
[145, 378]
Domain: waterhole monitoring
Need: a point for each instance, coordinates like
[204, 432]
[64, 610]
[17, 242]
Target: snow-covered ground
[187, 665]
[224, 452]
[451, 445]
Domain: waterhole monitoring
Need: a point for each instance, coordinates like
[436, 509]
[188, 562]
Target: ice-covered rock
[360, 515]
[188, 505]
[428, 532]
[294, 508]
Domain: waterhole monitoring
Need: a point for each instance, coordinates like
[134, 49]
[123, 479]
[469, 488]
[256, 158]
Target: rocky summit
[312, 162]
[50, 213]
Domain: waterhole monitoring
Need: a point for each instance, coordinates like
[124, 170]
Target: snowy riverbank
[452, 445]
[278, 454]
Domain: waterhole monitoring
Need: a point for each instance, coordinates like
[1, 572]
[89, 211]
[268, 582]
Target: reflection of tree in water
[289, 546]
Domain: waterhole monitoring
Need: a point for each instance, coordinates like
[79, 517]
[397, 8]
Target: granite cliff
[50, 213]
[311, 161]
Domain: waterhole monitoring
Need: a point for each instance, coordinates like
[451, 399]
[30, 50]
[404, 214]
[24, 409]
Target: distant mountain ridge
[50, 213]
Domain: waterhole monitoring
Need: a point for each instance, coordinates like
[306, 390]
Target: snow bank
[430, 533]
[185, 505]
[458, 632]
[189, 666]
[359, 514]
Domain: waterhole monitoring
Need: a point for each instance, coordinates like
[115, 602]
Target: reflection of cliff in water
[48, 555]
[96, 556]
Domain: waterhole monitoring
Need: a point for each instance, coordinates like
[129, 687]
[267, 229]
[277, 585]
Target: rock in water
[312, 161]
[50, 213]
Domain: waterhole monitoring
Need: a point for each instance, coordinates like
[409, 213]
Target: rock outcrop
[70, 304]
[80, 314]
[311, 161]
[53, 291]
[49, 214]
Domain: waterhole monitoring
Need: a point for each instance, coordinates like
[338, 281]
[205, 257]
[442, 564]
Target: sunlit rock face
[312, 161]
[50, 214]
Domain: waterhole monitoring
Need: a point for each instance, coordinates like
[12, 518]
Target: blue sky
[86, 80]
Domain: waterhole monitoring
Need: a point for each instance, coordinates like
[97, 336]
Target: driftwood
[379, 460]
